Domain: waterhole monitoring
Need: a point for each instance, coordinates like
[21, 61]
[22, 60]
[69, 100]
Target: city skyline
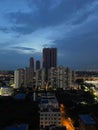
[28, 26]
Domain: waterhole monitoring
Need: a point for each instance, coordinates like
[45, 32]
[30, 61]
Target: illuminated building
[49, 111]
[6, 91]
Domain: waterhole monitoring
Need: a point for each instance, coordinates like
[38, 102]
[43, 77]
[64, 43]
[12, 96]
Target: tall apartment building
[26, 77]
[31, 66]
[53, 77]
[22, 77]
[18, 78]
[49, 58]
[49, 111]
[43, 78]
[60, 77]
[37, 65]
[38, 78]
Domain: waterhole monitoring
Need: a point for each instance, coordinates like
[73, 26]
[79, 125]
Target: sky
[28, 26]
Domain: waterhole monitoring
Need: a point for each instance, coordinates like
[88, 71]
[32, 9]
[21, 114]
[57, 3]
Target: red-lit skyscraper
[32, 63]
[49, 58]
[31, 66]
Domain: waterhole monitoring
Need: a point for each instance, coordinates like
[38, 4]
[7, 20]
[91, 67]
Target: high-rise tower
[37, 64]
[49, 58]
[31, 66]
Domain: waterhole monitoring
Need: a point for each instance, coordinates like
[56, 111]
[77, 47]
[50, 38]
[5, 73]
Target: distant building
[18, 78]
[43, 79]
[61, 77]
[38, 78]
[52, 78]
[31, 66]
[49, 111]
[49, 58]
[86, 122]
[26, 77]
[37, 65]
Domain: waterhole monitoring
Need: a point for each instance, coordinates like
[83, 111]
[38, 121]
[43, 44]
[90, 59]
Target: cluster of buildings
[50, 74]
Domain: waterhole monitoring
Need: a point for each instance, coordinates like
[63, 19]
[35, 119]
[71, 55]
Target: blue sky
[26, 26]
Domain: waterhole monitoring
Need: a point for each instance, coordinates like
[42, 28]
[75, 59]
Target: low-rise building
[6, 91]
[86, 122]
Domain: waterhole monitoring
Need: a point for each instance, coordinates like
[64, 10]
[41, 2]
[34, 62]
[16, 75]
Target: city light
[66, 121]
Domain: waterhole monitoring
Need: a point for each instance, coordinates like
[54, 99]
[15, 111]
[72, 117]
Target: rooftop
[20, 96]
[87, 119]
[17, 127]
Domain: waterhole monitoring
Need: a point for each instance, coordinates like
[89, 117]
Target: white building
[60, 77]
[49, 111]
[18, 78]
[6, 91]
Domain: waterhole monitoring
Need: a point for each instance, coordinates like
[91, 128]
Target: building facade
[31, 66]
[18, 78]
[37, 65]
[49, 111]
[61, 77]
[49, 58]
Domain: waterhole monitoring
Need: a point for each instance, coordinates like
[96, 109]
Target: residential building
[49, 111]
[37, 65]
[18, 78]
[61, 77]
[38, 78]
[31, 66]
[49, 58]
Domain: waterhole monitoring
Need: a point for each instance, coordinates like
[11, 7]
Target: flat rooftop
[20, 96]
[87, 119]
[17, 127]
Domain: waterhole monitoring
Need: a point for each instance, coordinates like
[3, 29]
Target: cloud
[50, 13]
[80, 50]
[86, 12]
[24, 50]
[4, 29]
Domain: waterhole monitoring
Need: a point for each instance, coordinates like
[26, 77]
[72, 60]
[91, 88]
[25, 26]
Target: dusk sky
[27, 26]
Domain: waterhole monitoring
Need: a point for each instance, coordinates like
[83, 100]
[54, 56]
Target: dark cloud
[4, 29]
[45, 15]
[24, 48]
[78, 52]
